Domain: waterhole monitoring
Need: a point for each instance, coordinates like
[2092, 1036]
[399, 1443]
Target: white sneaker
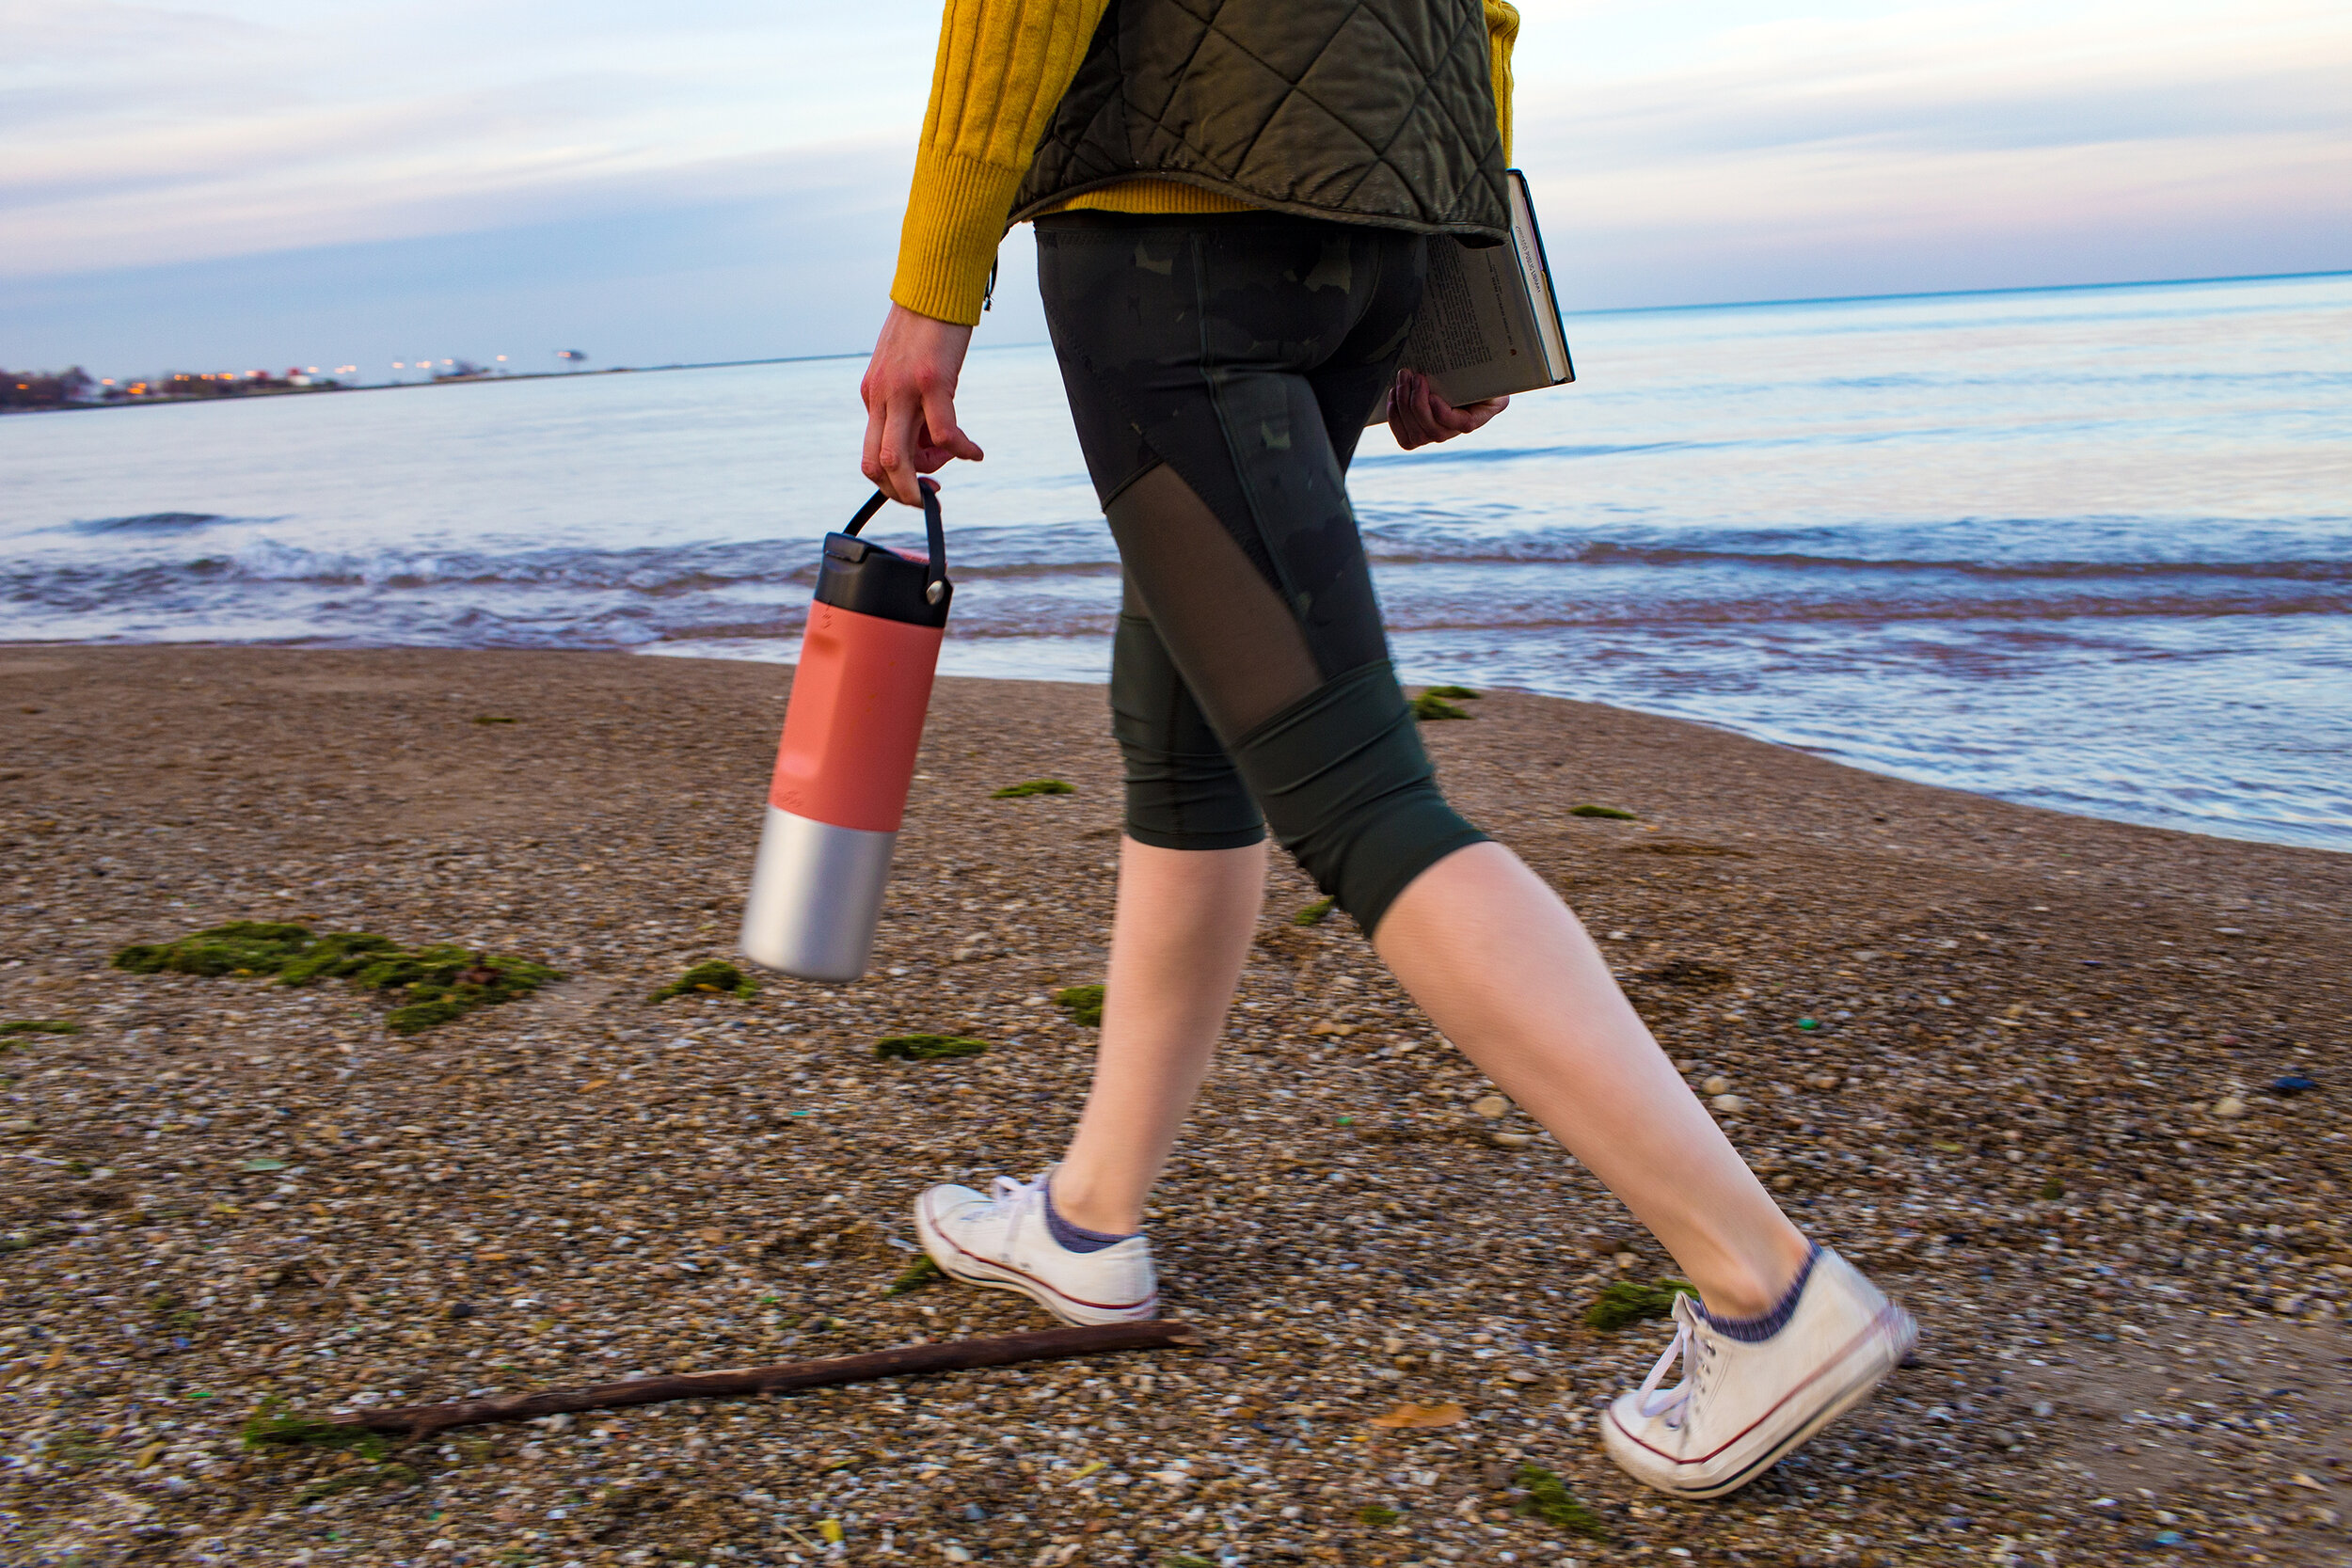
[1742, 1407]
[1001, 1241]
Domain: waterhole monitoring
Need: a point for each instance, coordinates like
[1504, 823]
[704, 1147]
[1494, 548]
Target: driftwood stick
[952, 1355]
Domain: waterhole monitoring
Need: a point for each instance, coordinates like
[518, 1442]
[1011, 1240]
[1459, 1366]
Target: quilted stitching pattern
[1376, 110]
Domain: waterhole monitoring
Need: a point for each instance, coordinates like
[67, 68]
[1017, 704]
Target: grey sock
[1077, 1238]
[1759, 1328]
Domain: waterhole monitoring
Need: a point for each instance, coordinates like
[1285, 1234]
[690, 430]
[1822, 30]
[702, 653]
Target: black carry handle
[936, 574]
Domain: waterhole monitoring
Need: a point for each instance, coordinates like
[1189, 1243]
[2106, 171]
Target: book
[1489, 322]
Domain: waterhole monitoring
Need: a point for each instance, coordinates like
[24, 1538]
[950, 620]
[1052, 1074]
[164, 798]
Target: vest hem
[1052, 205]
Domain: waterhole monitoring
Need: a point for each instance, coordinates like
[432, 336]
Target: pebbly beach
[2072, 1088]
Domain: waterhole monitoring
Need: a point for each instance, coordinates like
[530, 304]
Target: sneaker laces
[1013, 1198]
[1695, 1349]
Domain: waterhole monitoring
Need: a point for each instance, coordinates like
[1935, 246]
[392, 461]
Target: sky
[258, 183]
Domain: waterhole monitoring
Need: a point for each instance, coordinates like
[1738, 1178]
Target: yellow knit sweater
[1003, 66]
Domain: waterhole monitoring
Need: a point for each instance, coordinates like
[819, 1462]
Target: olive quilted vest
[1365, 111]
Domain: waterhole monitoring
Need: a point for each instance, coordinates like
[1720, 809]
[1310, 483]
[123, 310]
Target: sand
[1991, 1052]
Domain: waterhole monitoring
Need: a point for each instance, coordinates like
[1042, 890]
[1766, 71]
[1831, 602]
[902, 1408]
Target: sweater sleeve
[1003, 65]
[1503, 31]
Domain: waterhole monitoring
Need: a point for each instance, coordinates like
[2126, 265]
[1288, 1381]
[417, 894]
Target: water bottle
[850, 738]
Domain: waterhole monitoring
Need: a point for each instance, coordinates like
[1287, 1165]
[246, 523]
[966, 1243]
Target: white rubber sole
[1854, 1377]
[971, 1269]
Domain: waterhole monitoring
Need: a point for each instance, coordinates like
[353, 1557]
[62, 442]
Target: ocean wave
[1011, 554]
[1554, 552]
[654, 592]
[152, 522]
[1484, 454]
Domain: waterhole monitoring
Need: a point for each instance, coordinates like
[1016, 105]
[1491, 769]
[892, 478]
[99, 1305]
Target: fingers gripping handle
[936, 572]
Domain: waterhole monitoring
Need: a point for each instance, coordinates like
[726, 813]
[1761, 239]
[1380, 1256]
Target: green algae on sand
[928, 1048]
[1549, 1499]
[1611, 813]
[919, 1273]
[1429, 706]
[1032, 786]
[273, 1426]
[433, 983]
[1626, 1301]
[1083, 1003]
[715, 978]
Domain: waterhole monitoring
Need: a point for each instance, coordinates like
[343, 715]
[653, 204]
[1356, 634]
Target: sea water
[2087, 548]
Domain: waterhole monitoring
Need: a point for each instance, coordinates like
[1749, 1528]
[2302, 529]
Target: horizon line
[1602, 310]
[1964, 293]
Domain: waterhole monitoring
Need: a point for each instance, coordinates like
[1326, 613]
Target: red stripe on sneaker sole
[1888, 1315]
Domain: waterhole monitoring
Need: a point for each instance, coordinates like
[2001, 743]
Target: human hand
[909, 393]
[1418, 417]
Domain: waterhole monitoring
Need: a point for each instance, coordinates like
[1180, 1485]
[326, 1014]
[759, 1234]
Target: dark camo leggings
[1221, 370]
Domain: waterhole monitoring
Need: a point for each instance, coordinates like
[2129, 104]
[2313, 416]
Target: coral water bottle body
[851, 735]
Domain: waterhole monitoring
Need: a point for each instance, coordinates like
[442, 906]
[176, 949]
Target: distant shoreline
[1604, 310]
[438, 381]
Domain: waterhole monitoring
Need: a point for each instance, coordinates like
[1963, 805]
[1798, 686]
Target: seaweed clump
[715, 978]
[1429, 706]
[1083, 1003]
[40, 1026]
[928, 1048]
[1316, 912]
[432, 984]
[1032, 786]
[1549, 1499]
[1610, 813]
[1627, 1301]
[273, 1426]
[1459, 693]
[919, 1273]
[246, 947]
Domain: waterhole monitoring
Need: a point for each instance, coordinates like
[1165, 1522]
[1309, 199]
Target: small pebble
[1510, 1140]
[1728, 1104]
[1717, 1084]
[1493, 1107]
[2229, 1108]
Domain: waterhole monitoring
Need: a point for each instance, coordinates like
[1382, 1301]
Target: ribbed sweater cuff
[955, 217]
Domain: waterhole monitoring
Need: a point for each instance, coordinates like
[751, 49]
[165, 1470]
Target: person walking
[1232, 206]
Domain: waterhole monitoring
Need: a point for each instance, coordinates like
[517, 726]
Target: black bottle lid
[873, 579]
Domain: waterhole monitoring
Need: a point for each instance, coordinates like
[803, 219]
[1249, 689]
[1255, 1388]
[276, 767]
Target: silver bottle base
[817, 893]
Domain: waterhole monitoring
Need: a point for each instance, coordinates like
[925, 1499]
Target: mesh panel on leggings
[1238, 646]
